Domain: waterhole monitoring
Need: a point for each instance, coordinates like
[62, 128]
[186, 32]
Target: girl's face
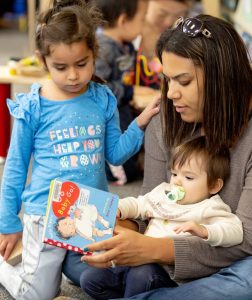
[132, 27]
[192, 177]
[71, 67]
[162, 14]
[186, 85]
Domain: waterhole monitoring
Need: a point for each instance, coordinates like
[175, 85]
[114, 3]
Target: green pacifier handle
[177, 193]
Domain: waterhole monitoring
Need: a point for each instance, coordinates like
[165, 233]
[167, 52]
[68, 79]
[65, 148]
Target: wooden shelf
[6, 77]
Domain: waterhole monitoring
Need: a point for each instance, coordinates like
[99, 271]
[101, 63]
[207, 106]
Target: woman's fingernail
[85, 249]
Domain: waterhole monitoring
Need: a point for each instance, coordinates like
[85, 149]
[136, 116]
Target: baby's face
[66, 227]
[192, 177]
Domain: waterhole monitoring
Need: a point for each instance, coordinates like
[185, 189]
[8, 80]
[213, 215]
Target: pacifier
[176, 193]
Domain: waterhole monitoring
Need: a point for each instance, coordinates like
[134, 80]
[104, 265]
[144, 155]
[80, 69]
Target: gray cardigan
[193, 257]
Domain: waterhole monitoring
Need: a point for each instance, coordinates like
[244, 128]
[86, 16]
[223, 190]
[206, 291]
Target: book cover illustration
[78, 215]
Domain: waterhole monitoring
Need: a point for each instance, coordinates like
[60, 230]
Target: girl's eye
[185, 83]
[173, 174]
[60, 68]
[189, 178]
[82, 65]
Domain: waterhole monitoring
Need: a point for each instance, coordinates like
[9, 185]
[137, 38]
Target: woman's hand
[8, 242]
[130, 248]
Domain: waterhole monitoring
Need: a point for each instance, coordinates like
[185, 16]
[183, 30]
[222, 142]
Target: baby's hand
[8, 242]
[151, 109]
[193, 228]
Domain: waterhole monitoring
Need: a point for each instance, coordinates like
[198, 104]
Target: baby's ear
[216, 187]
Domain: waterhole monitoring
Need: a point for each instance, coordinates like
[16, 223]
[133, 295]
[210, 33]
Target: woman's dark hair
[227, 82]
[217, 162]
[112, 9]
[68, 21]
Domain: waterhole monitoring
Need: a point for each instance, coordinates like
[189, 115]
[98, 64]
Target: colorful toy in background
[28, 66]
[148, 72]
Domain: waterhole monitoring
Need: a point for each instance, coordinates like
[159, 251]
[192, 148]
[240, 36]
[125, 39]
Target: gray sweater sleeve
[193, 257]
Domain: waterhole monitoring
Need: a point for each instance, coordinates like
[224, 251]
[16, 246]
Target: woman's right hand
[8, 242]
[130, 248]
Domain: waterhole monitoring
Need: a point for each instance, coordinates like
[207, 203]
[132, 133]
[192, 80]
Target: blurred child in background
[116, 64]
[161, 14]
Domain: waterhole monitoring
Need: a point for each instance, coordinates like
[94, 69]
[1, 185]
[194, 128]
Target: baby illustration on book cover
[78, 214]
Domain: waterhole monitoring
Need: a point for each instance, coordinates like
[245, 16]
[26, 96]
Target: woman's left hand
[127, 248]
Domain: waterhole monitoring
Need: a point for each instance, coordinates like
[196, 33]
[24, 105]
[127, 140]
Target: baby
[188, 205]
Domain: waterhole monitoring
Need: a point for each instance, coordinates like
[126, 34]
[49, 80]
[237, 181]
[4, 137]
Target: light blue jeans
[230, 283]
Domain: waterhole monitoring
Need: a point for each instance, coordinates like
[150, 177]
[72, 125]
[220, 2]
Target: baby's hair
[68, 21]
[217, 163]
[112, 9]
[56, 228]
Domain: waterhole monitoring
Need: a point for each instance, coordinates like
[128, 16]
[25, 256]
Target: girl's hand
[151, 109]
[193, 228]
[8, 242]
[129, 248]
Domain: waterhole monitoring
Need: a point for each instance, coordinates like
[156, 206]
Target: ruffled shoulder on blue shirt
[27, 106]
[104, 98]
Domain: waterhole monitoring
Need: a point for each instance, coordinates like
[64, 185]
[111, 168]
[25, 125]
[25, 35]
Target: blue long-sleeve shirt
[70, 139]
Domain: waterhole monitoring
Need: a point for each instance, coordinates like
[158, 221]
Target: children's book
[78, 215]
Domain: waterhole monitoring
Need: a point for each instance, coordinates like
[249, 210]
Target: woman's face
[162, 14]
[186, 85]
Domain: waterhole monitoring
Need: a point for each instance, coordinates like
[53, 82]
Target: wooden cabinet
[43, 4]
[243, 16]
[212, 7]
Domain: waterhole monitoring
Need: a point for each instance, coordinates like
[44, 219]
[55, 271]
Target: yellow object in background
[29, 61]
[28, 66]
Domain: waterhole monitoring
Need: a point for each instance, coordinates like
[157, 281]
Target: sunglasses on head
[192, 27]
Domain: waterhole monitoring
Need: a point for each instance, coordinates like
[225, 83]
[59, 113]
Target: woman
[207, 90]
[160, 16]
